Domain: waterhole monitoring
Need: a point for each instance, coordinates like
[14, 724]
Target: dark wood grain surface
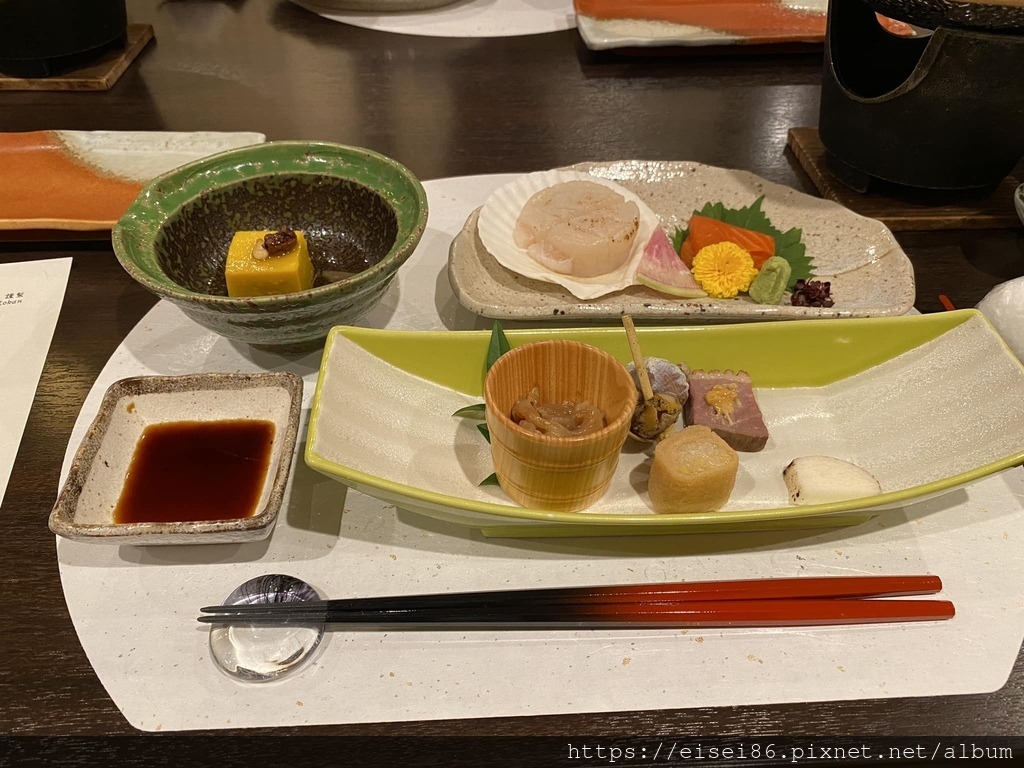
[443, 107]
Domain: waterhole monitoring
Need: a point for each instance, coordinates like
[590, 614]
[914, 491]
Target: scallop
[578, 228]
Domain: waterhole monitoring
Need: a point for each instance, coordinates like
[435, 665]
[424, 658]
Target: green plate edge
[796, 353]
[581, 530]
[780, 354]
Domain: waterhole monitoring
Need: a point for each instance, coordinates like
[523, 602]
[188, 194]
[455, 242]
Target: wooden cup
[540, 471]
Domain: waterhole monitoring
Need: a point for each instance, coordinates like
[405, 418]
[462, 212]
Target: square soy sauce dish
[194, 459]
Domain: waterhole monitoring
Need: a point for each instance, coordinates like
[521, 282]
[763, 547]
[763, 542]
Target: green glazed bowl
[362, 214]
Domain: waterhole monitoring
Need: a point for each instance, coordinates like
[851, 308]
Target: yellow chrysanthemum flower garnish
[723, 270]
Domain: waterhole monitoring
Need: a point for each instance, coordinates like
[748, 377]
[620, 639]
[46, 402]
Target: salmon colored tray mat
[154, 663]
[609, 24]
[85, 180]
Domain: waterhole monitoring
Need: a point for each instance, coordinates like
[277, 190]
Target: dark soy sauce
[186, 471]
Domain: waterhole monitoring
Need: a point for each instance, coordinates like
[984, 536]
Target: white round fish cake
[578, 228]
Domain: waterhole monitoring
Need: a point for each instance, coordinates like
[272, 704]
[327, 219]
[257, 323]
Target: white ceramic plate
[466, 19]
[85, 508]
[871, 276]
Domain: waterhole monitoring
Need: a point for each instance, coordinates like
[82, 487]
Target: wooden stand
[98, 76]
[893, 208]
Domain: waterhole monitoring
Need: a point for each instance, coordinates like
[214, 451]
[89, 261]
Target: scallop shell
[666, 378]
[500, 213]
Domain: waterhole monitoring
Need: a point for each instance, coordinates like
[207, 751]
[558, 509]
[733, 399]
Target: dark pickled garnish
[280, 242]
[812, 293]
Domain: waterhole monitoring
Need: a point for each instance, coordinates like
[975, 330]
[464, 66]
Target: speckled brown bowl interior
[349, 227]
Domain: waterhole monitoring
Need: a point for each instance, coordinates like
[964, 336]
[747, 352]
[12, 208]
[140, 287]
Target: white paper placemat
[467, 18]
[133, 608]
[31, 295]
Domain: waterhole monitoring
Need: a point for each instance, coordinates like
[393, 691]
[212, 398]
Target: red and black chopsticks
[808, 601]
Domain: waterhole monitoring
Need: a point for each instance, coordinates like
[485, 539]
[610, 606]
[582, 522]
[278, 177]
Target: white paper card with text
[31, 295]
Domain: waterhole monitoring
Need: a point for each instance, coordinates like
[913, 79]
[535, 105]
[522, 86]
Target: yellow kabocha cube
[248, 276]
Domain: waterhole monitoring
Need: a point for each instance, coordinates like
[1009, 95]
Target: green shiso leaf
[499, 345]
[472, 411]
[788, 244]
[484, 431]
[491, 479]
[678, 238]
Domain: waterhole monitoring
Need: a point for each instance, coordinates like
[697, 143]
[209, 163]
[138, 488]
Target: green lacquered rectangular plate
[926, 403]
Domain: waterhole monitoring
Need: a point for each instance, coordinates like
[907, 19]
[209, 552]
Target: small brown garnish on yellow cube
[280, 242]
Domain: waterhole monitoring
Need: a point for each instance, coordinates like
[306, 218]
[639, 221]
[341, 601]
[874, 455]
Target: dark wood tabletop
[443, 107]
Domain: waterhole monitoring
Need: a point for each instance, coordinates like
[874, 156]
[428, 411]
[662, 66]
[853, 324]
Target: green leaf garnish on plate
[475, 411]
[788, 244]
[499, 345]
[678, 237]
[491, 479]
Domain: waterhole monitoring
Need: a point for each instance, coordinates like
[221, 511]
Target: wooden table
[443, 107]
